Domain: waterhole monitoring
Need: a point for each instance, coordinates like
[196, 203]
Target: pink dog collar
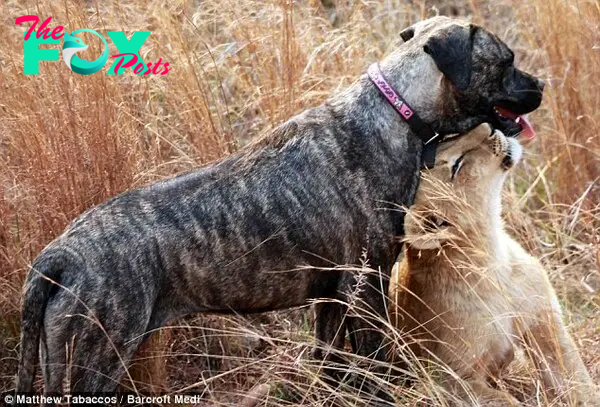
[422, 130]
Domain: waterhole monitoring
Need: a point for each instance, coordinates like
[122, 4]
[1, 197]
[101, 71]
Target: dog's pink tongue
[527, 132]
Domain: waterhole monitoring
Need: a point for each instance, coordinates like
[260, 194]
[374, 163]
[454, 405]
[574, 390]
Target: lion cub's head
[459, 199]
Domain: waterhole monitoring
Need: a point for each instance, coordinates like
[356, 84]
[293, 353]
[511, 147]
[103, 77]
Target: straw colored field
[239, 68]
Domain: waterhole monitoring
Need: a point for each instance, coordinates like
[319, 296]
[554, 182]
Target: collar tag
[435, 136]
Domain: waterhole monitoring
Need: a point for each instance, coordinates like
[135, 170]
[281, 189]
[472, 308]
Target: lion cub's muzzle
[509, 150]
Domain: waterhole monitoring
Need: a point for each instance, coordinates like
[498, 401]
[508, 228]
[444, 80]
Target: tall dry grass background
[240, 67]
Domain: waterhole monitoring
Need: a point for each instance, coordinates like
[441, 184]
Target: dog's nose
[541, 84]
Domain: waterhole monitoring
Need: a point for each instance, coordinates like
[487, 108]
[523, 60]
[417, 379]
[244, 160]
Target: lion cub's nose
[508, 162]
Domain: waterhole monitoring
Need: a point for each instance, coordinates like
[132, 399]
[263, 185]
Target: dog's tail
[45, 271]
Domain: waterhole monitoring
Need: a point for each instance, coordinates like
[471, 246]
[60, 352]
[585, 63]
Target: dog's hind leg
[90, 361]
[103, 371]
[53, 367]
[89, 347]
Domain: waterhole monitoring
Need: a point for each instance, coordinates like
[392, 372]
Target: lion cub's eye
[457, 166]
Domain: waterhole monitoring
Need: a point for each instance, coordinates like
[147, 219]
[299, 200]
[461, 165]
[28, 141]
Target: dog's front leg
[367, 324]
[330, 337]
[367, 320]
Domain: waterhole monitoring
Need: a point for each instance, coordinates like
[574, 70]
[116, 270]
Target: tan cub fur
[467, 292]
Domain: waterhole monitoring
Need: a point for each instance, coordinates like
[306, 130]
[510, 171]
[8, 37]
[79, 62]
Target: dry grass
[238, 68]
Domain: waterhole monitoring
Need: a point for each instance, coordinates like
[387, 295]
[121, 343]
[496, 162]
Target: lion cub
[466, 292]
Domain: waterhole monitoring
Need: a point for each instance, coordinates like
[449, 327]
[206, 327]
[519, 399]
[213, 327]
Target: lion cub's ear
[425, 229]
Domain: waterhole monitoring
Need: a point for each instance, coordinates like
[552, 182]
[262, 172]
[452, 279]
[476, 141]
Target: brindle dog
[259, 230]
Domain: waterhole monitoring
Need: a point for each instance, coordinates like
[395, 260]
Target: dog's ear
[452, 52]
[407, 33]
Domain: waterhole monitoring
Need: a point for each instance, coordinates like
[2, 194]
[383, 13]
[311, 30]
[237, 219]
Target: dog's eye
[509, 64]
[457, 166]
